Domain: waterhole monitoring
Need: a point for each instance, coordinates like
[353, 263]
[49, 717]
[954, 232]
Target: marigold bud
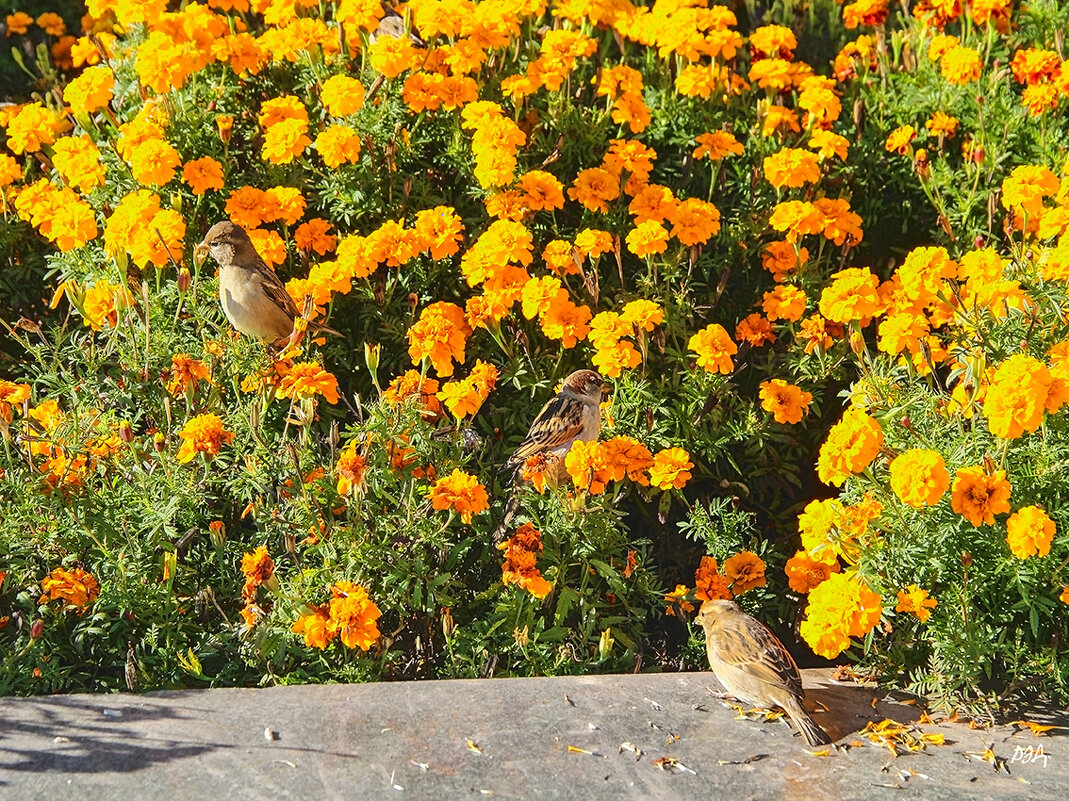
[37, 630]
[184, 280]
[126, 432]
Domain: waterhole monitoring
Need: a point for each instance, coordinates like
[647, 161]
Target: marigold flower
[520, 566]
[851, 446]
[353, 615]
[203, 434]
[797, 218]
[203, 174]
[185, 373]
[541, 191]
[786, 402]
[961, 65]
[754, 329]
[305, 380]
[693, 221]
[440, 334]
[791, 167]
[805, 572]
[919, 477]
[785, 302]
[460, 491]
[101, 304]
[978, 496]
[709, 583]
[392, 56]
[594, 188]
[12, 396]
[852, 295]
[588, 467]
[154, 162]
[566, 322]
[841, 607]
[30, 129]
[258, 567]
[716, 146]
[643, 314]
[1017, 396]
[1029, 531]
[76, 587]
[676, 600]
[413, 385]
[671, 469]
[315, 626]
[916, 600]
[828, 144]
[90, 91]
[350, 469]
[466, 397]
[337, 145]
[714, 348]
[440, 231]
[744, 571]
[900, 139]
[342, 95]
[1023, 189]
[18, 23]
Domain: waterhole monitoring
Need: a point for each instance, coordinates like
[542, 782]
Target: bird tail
[320, 328]
[512, 505]
[813, 734]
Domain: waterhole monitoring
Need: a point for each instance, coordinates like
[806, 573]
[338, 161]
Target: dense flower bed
[818, 252]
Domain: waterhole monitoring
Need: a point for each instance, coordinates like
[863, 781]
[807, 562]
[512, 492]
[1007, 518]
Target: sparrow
[251, 293]
[572, 415]
[753, 665]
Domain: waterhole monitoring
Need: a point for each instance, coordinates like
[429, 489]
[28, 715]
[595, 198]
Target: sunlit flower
[1029, 531]
[709, 583]
[786, 402]
[676, 603]
[744, 571]
[461, 492]
[671, 469]
[851, 446]
[919, 477]
[203, 434]
[305, 380]
[804, 572]
[979, 496]
[714, 348]
[353, 615]
[520, 567]
[915, 600]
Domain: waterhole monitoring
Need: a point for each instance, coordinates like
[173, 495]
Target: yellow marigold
[466, 397]
[392, 56]
[786, 402]
[90, 91]
[612, 358]
[353, 615]
[1025, 187]
[900, 139]
[32, 127]
[979, 496]
[804, 572]
[671, 468]
[1017, 396]
[714, 348]
[520, 566]
[1029, 531]
[709, 583]
[305, 380]
[961, 65]
[462, 492]
[567, 322]
[676, 602]
[916, 600]
[337, 145]
[441, 335]
[851, 446]
[792, 167]
[919, 477]
[587, 466]
[744, 571]
[852, 295]
[796, 218]
[841, 607]
[315, 626]
[942, 124]
[154, 162]
[643, 314]
[342, 95]
[76, 587]
[203, 434]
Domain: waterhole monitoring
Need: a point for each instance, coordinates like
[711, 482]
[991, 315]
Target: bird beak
[200, 254]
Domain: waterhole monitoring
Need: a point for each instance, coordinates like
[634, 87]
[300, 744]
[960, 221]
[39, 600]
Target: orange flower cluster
[351, 614]
[58, 214]
[76, 588]
[915, 600]
[494, 143]
[258, 568]
[440, 334]
[608, 330]
[851, 446]
[185, 373]
[592, 465]
[671, 469]
[305, 380]
[786, 402]
[521, 557]
[351, 469]
[919, 477]
[840, 607]
[132, 228]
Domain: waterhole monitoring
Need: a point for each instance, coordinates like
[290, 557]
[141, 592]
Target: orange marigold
[76, 587]
[745, 570]
[916, 600]
[203, 434]
[460, 491]
[979, 496]
[709, 583]
[1029, 531]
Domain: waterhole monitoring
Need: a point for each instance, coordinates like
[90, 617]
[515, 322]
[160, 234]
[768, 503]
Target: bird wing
[274, 289]
[559, 422]
[755, 650]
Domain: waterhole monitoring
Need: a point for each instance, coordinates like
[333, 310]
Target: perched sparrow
[252, 294]
[572, 414]
[753, 665]
[393, 24]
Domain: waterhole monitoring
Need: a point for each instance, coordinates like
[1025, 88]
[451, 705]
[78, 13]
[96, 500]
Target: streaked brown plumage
[572, 414]
[752, 664]
[251, 293]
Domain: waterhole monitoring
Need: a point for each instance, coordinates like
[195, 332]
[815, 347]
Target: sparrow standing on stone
[753, 665]
[251, 293]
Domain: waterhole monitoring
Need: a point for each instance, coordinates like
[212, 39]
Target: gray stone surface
[411, 740]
